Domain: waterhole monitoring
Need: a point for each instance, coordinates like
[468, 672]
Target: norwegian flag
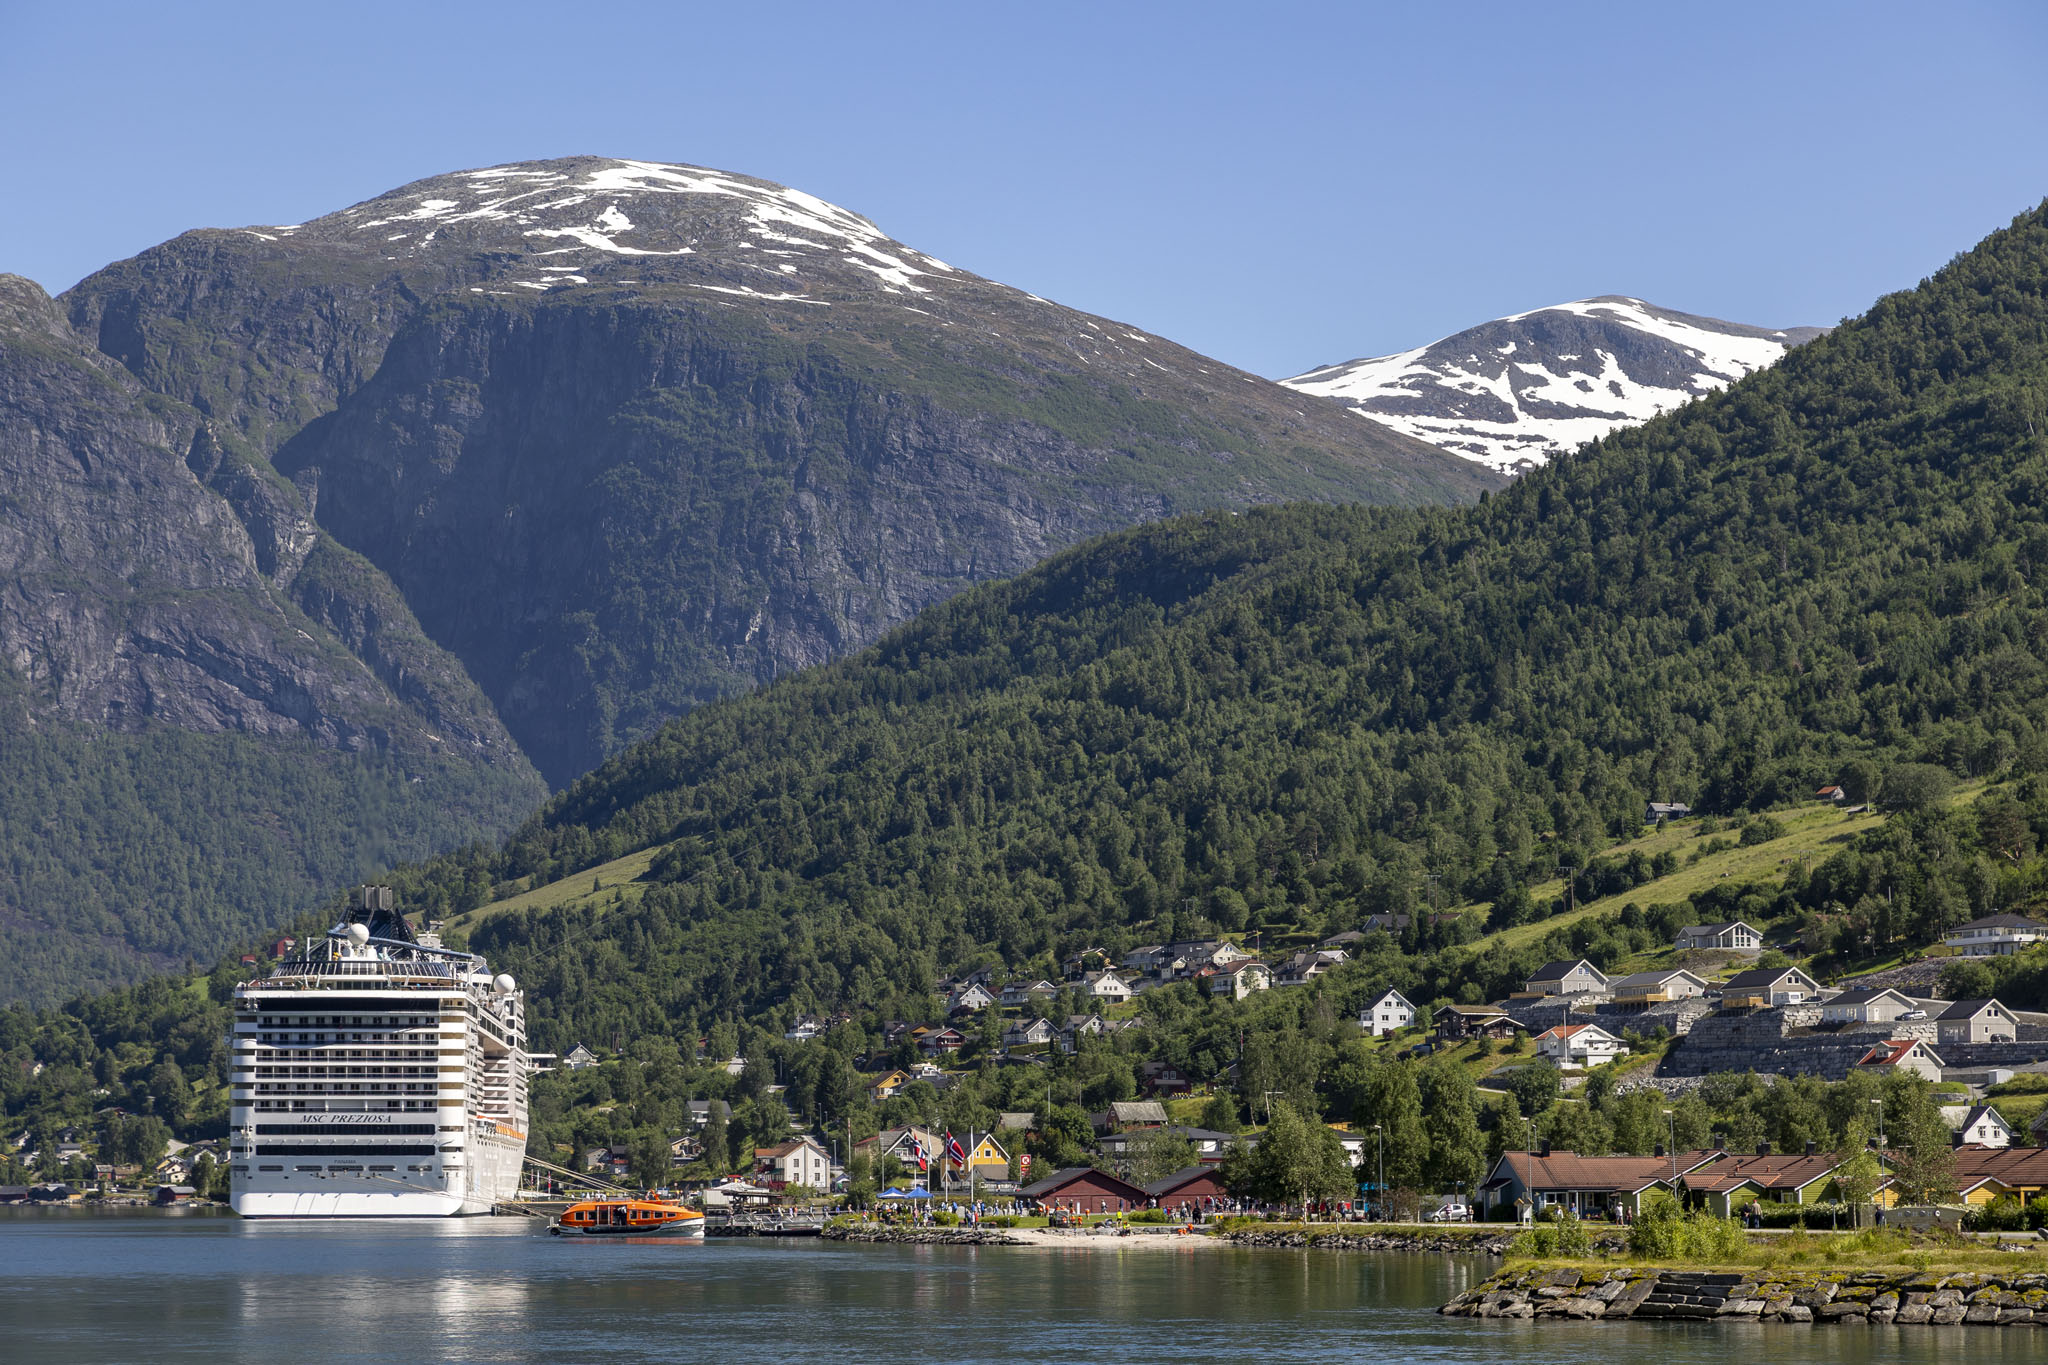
[955, 1150]
[924, 1163]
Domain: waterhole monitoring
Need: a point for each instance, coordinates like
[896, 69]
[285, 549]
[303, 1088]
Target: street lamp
[1379, 1182]
[1671, 1130]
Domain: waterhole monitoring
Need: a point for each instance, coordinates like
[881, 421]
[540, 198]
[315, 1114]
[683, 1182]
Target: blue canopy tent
[914, 1192]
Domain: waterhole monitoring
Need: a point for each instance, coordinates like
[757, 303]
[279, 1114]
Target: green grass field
[594, 888]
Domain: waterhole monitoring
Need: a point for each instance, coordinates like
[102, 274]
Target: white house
[1978, 1124]
[1733, 935]
[1107, 988]
[1867, 1007]
[1977, 1021]
[578, 1058]
[1905, 1054]
[1770, 986]
[1391, 1011]
[1576, 1045]
[1029, 1033]
[1241, 978]
[1996, 935]
[1568, 978]
[973, 997]
[800, 1161]
[1649, 988]
[1077, 1027]
[1020, 993]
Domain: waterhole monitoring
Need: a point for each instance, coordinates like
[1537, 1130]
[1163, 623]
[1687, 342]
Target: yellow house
[888, 1084]
[987, 1159]
[1985, 1173]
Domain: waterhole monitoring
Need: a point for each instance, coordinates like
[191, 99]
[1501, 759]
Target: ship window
[383, 1168]
[314, 1169]
[270, 1168]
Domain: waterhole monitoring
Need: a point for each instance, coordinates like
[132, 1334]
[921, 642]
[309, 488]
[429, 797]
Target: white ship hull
[488, 1177]
[377, 1075]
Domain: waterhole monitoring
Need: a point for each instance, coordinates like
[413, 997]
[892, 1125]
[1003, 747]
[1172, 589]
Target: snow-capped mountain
[1514, 392]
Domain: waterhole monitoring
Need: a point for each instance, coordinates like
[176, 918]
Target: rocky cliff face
[152, 580]
[632, 436]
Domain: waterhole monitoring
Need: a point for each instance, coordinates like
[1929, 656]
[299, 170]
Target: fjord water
[121, 1288]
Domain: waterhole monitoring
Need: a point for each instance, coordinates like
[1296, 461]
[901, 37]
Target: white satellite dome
[359, 934]
[505, 984]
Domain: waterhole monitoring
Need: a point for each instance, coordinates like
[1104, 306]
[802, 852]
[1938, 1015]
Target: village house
[1579, 1045]
[1162, 1078]
[1210, 1145]
[1904, 1054]
[986, 1159]
[1732, 936]
[1834, 792]
[807, 1028]
[1018, 994]
[1589, 1187]
[1077, 1027]
[1996, 935]
[1146, 960]
[1724, 1186]
[1977, 1125]
[1386, 1014]
[684, 1149]
[887, 1084]
[1665, 810]
[916, 1148]
[1656, 988]
[1977, 1021]
[971, 998]
[943, 1040]
[579, 1058]
[1084, 1189]
[1121, 1116]
[1765, 986]
[1987, 1173]
[1078, 964]
[1347, 940]
[1192, 1189]
[1388, 922]
[799, 1161]
[1567, 978]
[1241, 978]
[1305, 966]
[1106, 988]
[1017, 1121]
[1030, 1033]
[1455, 1023]
[1868, 1007]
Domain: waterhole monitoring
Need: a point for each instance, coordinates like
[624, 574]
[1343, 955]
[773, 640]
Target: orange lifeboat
[628, 1218]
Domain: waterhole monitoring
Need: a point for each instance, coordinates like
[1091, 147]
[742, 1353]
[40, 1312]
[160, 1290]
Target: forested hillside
[1282, 720]
[1278, 722]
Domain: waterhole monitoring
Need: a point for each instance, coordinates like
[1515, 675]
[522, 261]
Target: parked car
[1451, 1213]
[1914, 1014]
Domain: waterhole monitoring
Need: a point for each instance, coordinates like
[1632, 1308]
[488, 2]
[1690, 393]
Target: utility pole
[1379, 1180]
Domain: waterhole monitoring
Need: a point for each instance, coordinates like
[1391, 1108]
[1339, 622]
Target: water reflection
[217, 1290]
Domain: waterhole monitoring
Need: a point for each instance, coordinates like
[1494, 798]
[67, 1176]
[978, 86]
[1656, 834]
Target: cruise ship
[377, 1075]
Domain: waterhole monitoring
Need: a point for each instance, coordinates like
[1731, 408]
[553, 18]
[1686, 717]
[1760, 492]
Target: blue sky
[1277, 186]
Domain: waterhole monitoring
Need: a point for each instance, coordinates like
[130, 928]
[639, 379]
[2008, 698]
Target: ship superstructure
[377, 1074]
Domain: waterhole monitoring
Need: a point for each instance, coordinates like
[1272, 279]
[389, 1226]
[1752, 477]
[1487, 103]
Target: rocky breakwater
[1870, 1296]
[1435, 1243]
[969, 1237]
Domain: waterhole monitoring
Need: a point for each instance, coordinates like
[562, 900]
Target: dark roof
[1760, 976]
[1864, 997]
[1968, 1009]
[1059, 1180]
[1570, 1171]
[1717, 928]
[1186, 1175]
[1558, 971]
[2003, 922]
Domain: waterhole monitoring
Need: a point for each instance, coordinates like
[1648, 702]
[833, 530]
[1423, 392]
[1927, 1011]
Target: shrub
[1665, 1232]
[1761, 830]
[2003, 1214]
[946, 1220]
[1150, 1216]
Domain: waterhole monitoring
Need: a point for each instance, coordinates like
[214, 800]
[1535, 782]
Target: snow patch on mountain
[1516, 392]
